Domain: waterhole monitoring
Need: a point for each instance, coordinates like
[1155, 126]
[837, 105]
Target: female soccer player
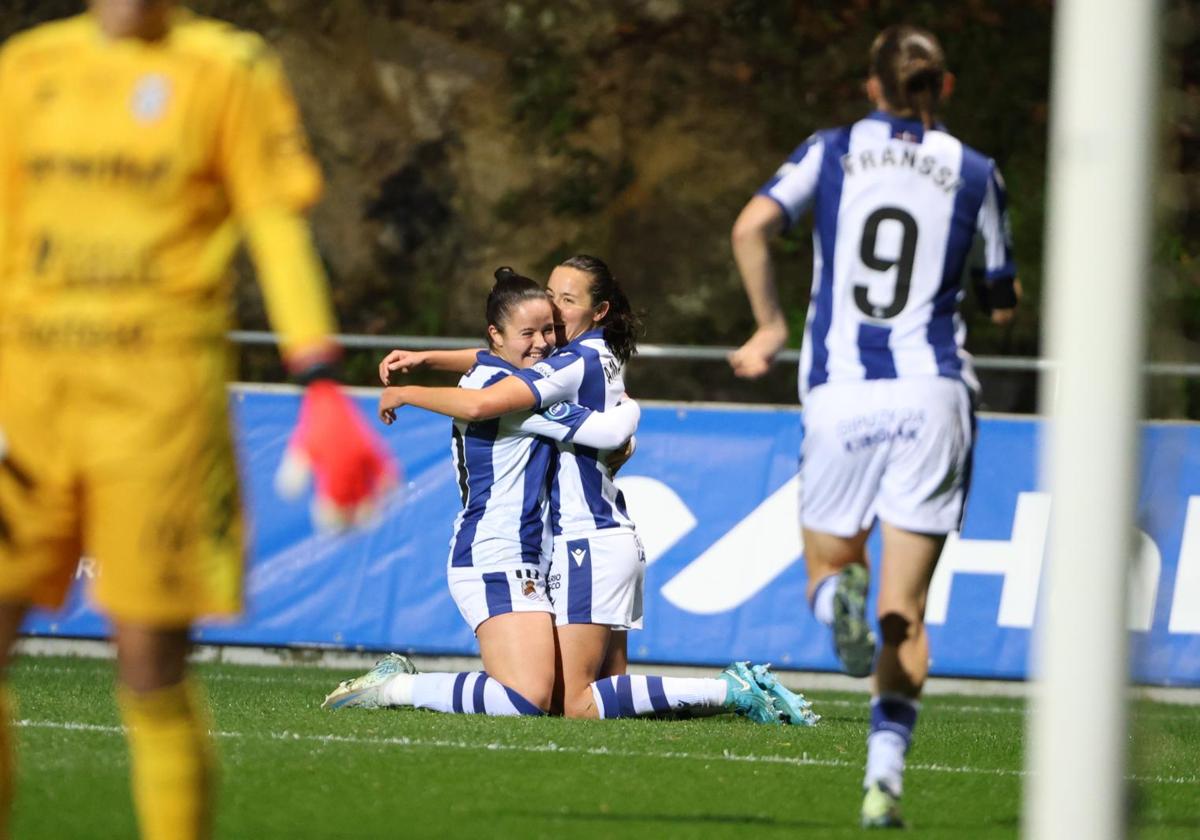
[598, 568]
[140, 142]
[886, 385]
[613, 590]
[497, 567]
[598, 593]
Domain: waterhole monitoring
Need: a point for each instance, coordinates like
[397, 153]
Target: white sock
[466, 693]
[893, 718]
[398, 691]
[822, 602]
[885, 760]
[632, 695]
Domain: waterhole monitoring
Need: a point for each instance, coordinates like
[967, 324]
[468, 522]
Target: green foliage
[544, 83]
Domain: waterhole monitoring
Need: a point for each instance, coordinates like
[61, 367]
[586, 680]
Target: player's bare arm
[406, 361]
[508, 395]
[760, 220]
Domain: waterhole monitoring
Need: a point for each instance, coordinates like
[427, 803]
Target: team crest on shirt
[557, 411]
[150, 96]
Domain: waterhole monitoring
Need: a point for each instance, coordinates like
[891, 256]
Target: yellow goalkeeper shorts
[125, 454]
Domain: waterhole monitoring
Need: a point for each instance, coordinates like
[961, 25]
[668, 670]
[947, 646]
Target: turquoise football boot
[744, 697]
[794, 709]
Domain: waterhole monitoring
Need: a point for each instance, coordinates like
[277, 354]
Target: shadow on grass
[748, 820]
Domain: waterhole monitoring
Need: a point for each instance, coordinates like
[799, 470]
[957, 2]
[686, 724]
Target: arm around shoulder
[609, 429]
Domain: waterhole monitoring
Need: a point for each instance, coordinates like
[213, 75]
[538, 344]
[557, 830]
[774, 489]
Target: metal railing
[683, 352]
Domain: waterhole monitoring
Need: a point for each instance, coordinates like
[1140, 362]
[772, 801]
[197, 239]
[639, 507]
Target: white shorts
[899, 449]
[498, 588]
[598, 578]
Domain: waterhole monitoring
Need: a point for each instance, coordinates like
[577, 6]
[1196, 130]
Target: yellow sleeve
[272, 179]
[293, 284]
[264, 152]
[8, 175]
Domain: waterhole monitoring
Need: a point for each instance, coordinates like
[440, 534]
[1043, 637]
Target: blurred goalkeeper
[140, 143]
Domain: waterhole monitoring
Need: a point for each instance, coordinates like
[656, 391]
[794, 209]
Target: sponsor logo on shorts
[866, 431]
[554, 582]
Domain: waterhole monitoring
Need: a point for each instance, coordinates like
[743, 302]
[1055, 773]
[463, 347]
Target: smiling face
[146, 19]
[570, 291]
[527, 336]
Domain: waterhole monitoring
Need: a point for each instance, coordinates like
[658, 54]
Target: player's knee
[580, 705]
[534, 688]
[539, 694]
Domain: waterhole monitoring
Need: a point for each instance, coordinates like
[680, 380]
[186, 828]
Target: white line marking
[551, 747]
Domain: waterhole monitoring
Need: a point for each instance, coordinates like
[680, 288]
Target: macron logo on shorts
[579, 555]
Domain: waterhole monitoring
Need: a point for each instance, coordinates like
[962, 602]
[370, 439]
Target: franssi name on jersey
[896, 211]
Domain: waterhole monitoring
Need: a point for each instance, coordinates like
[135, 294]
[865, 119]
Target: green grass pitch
[290, 770]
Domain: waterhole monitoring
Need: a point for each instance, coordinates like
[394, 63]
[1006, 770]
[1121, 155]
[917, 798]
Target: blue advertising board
[714, 493]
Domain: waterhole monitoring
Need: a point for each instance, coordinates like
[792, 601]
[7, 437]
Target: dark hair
[510, 290]
[622, 325]
[910, 65]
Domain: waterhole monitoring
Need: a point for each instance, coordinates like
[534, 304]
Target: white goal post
[1100, 168]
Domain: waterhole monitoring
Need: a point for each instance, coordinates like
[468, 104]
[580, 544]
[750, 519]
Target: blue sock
[632, 695]
[473, 693]
[893, 718]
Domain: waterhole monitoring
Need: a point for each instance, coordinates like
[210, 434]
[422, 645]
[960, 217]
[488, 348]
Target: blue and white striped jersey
[583, 497]
[503, 467]
[896, 210]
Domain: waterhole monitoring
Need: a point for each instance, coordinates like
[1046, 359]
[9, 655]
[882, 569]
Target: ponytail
[921, 81]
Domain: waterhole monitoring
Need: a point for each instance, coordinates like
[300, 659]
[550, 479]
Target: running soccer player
[139, 143]
[739, 688]
[886, 384]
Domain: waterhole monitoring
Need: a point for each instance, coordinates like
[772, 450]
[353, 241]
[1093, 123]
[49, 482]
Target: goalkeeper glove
[332, 443]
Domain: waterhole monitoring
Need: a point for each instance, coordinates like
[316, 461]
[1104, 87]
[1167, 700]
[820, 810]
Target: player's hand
[619, 457]
[389, 401]
[404, 361]
[1004, 317]
[754, 358]
[334, 445]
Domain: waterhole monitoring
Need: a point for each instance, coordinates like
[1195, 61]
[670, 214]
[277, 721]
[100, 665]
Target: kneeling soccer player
[497, 566]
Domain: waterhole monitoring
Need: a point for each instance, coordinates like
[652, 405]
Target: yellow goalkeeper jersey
[129, 169]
